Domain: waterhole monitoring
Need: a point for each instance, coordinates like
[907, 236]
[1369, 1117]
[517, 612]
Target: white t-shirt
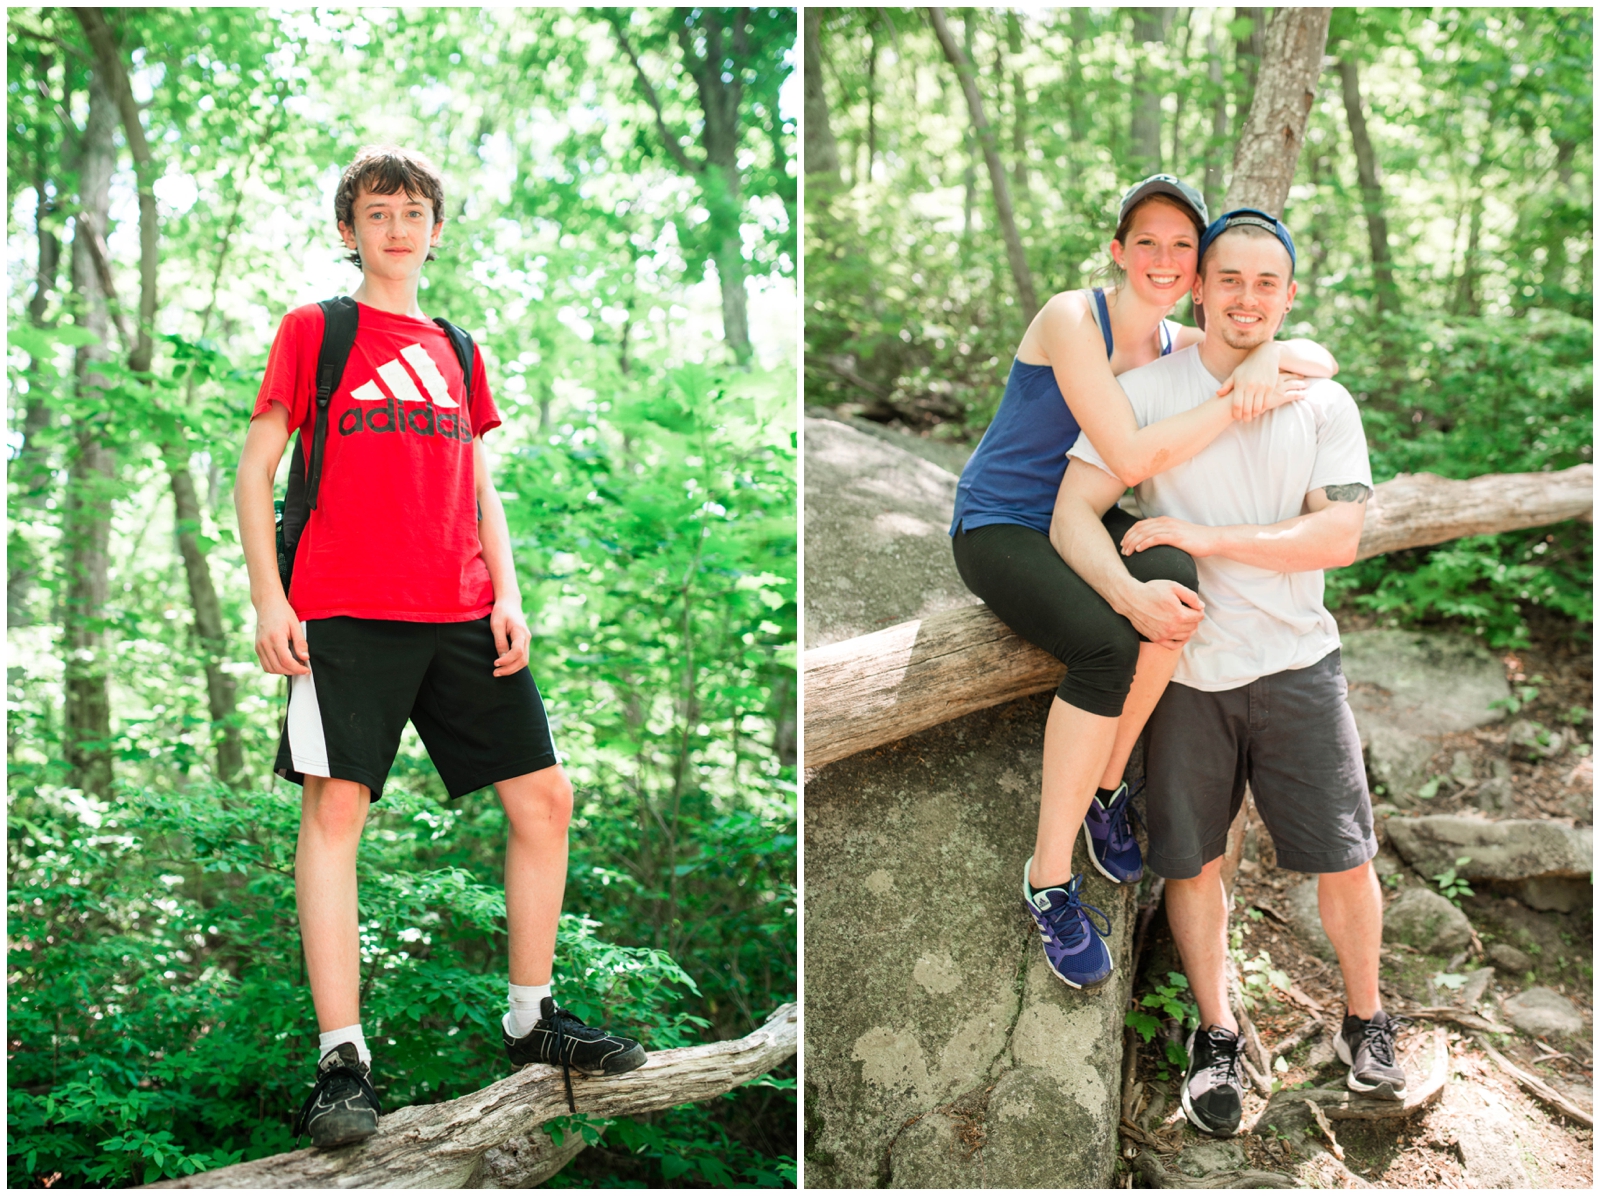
[1257, 622]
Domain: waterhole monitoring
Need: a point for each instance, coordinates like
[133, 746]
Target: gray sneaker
[343, 1107]
[1367, 1047]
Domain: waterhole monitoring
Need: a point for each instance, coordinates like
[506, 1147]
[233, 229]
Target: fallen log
[872, 690]
[491, 1138]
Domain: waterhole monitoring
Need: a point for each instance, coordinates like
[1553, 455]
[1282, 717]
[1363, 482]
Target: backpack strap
[466, 355]
[339, 321]
[1105, 319]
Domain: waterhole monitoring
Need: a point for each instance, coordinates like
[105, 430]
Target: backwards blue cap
[1249, 216]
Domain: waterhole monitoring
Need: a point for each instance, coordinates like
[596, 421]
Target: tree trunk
[1371, 187]
[1180, 68]
[31, 470]
[969, 142]
[86, 530]
[821, 150]
[719, 135]
[718, 173]
[474, 1141]
[1020, 274]
[1019, 106]
[1077, 114]
[874, 689]
[1149, 29]
[1219, 123]
[1247, 58]
[1466, 297]
[221, 689]
[872, 102]
[1264, 160]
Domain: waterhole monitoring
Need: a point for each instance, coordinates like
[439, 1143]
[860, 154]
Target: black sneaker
[342, 1108]
[1212, 1096]
[560, 1038]
[1368, 1047]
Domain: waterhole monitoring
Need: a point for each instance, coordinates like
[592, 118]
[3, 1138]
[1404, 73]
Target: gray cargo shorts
[1292, 737]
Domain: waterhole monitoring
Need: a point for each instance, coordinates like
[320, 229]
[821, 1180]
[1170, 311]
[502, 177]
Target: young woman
[1063, 381]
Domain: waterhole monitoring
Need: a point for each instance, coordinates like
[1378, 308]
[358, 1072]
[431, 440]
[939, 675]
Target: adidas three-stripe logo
[400, 384]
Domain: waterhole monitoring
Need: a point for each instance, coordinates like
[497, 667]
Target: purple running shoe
[1073, 946]
[1108, 831]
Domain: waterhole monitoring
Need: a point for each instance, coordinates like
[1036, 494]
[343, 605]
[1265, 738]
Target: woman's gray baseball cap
[1163, 184]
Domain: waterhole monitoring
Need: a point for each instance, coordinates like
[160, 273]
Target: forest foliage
[1445, 234]
[602, 245]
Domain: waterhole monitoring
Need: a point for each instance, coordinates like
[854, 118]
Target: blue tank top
[1013, 475]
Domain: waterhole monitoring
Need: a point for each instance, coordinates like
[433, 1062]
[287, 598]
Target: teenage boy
[1258, 695]
[403, 604]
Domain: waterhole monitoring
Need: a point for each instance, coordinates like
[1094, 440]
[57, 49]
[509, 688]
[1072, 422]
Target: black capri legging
[1022, 578]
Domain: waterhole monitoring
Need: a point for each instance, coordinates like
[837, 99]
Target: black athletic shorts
[1292, 736]
[369, 675]
[1024, 581]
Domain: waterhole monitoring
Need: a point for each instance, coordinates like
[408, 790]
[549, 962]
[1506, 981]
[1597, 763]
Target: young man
[1258, 695]
[403, 604]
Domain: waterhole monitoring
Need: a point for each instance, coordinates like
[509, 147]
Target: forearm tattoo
[1352, 492]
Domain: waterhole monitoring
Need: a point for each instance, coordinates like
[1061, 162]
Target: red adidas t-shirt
[395, 531]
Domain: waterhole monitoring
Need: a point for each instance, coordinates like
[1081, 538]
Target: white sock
[524, 1010]
[332, 1038]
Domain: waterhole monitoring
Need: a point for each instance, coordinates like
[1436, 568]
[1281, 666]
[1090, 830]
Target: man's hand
[511, 638]
[1164, 612]
[281, 640]
[1197, 541]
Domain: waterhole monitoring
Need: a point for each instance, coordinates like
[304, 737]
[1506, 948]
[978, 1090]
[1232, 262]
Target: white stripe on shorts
[307, 746]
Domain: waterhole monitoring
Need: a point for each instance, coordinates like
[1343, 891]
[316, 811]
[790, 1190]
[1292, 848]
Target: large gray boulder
[1421, 681]
[940, 1050]
[1305, 918]
[1408, 688]
[877, 535]
[1543, 1011]
[1517, 849]
[1426, 921]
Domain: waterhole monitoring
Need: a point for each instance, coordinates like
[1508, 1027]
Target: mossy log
[874, 689]
[492, 1138]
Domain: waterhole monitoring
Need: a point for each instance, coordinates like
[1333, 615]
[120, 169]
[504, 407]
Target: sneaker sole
[335, 1129]
[1199, 1122]
[1383, 1089]
[1088, 840]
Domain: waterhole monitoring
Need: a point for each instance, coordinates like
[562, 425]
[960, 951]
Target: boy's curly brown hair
[386, 170]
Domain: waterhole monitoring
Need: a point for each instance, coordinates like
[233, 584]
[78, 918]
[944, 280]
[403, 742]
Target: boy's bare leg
[1156, 665]
[332, 814]
[1352, 913]
[538, 808]
[1197, 912]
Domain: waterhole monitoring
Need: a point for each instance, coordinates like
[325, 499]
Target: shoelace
[1065, 919]
[1380, 1039]
[323, 1078]
[558, 1018]
[1120, 836]
[1224, 1068]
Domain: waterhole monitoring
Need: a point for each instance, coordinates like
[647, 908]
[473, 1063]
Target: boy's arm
[1164, 612]
[280, 640]
[510, 627]
[1328, 536]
